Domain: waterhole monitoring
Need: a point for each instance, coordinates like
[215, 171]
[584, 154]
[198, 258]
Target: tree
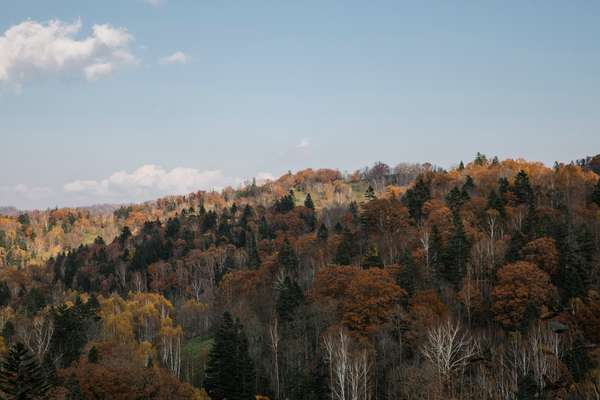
[287, 258]
[415, 197]
[290, 298]
[596, 194]
[457, 251]
[21, 377]
[449, 349]
[322, 233]
[230, 371]
[522, 289]
[522, 188]
[308, 202]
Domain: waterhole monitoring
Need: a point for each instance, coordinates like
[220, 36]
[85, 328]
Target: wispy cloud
[31, 49]
[179, 57]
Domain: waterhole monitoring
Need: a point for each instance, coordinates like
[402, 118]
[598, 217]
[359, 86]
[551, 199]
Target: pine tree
[455, 199]
[522, 188]
[596, 194]
[93, 355]
[345, 250]
[503, 186]
[495, 202]
[21, 377]
[469, 185]
[415, 197]
[253, 256]
[457, 251]
[461, 166]
[264, 229]
[230, 371]
[290, 298]
[322, 233]
[287, 258]
[308, 202]
[221, 381]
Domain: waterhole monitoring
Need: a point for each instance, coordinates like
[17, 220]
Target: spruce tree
[308, 202]
[287, 258]
[345, 250]
[495, 202]
[596, 194]
[322, 233]
[230, 371]
[290, 298]
[415, 197]
[522, 188]
[252, 250]
[21, 376]
[457, 251]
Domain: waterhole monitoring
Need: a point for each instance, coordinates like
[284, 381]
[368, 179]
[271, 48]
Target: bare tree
[449, 350]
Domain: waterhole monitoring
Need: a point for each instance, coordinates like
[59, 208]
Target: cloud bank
[32, 49]
[149, 182]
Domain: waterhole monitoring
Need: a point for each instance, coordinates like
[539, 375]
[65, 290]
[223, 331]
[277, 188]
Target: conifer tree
[290, 298]
[345, 250]
[287, 257]
[457, 251]
[230, 371]
[308, 202]
[596, 193]
[21, 377]
[415, 197]
[495, 202]
[461, 166]
[253, 256]
[522, 188]
[322, 233]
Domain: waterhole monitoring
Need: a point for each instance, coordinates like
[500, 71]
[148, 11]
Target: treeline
[391, 283]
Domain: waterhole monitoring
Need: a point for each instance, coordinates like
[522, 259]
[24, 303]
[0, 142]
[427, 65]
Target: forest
[481, 281]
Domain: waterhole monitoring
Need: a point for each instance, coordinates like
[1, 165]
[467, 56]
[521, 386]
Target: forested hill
[410, 282]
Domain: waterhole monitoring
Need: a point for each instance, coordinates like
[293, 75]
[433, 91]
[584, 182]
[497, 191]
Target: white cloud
[304, 143]
[32, 49]
[178, 57]
[148, 182]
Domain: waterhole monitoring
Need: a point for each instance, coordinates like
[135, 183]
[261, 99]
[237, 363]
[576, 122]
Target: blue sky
[258, 88]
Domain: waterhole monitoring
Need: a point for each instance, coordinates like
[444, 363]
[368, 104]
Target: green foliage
[308, 202]
[522, 188]
[372, 258]
[457, 251]
[287, 258]
[286, 203]
[21, 376]
[322, 233]
[289, 299]
[415, 197]
[596, 193]
[230, 371]
[370, 193]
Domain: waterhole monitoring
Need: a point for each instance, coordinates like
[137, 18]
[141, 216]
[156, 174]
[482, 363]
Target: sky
[128, 100]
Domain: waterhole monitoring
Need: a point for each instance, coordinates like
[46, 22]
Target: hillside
[410, 282]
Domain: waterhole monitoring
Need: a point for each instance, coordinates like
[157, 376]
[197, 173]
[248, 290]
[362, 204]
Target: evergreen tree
[345, 250]
[230, 371]
[461, 166]
[290, 298]
[457, 251]
[308, 202]
[322, 233]
[415, 197]
[21, 376]
[495, 202]
[264, 229]
[577, 360]
[469, 185]
[455, 199]
[253, 256]
[596, 193]
[287, 258]
[522, 188]
[286, 203]
[517, 241]
[93, 355]
[436, 248]
[503, 186]
[480, 159]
